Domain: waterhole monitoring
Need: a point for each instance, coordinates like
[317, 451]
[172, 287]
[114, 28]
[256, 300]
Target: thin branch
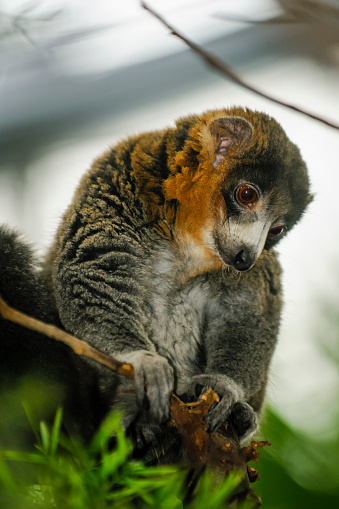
[78, 346]
[218, 65]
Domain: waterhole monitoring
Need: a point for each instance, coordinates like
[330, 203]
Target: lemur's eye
[246, 195]
[277, 230]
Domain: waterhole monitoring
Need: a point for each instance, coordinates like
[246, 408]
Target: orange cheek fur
[200, 205]
[197, 191]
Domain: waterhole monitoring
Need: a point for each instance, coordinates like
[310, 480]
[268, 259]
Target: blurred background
[76, 76]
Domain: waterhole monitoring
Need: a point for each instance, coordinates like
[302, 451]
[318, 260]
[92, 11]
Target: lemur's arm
[238, 352]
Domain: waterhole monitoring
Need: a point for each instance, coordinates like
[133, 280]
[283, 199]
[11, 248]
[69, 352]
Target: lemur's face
[254, 219]
[239, 185]
[264, 194]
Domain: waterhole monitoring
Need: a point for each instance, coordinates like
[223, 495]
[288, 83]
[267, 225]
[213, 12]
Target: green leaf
[6, 478]
[56, 431]
[45, 438]
[24, 457]
[108, 429]
[211, 495]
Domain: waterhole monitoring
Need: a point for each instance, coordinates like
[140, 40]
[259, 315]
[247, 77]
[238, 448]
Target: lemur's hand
[231, 404]
[155, 370]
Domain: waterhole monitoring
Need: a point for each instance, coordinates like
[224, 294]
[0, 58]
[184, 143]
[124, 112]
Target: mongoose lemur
[165, 259]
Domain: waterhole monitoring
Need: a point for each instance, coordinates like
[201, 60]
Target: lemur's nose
[243, 260]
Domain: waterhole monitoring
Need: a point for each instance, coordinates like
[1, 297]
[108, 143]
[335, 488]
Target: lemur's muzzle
[241, 242]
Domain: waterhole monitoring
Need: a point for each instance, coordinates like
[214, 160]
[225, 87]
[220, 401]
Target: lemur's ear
[229, 132]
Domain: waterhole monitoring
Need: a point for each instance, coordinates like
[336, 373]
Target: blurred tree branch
[321, 12]
[24, 22]
[314, 12]
[219, 66]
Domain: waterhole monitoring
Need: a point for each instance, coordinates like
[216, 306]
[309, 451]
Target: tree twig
[219, 66]
[78, 346]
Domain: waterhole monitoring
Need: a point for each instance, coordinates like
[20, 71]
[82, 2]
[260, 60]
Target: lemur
[165, 259]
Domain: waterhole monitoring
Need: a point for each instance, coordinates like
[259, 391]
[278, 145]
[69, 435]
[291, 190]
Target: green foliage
[63, 473]
[302, 470]
[297, 471]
